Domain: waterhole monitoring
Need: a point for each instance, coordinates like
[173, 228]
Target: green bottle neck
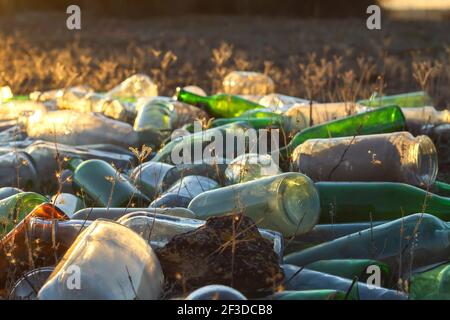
[74, 163]
[193, 99]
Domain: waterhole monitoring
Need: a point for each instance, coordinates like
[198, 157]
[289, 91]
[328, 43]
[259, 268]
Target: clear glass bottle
[281, 103]
[136, 86]
[103, 251]
[247, 83]
[251, 166]
[181, 193]
[77, 128]
[287, 203]
[391, 157]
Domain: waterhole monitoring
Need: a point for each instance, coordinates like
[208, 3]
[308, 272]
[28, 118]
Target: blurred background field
[327, 59]
[311, 49]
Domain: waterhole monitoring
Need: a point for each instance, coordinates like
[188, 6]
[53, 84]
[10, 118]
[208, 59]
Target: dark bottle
[304, 279]
[403, 244]
[104, 185]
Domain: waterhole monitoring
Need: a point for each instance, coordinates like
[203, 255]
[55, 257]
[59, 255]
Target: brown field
[326, 60]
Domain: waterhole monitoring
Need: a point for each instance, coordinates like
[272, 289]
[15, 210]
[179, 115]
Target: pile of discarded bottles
[343, 205]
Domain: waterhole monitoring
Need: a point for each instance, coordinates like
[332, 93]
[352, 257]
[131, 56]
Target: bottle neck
[193, 99]
[74, 163]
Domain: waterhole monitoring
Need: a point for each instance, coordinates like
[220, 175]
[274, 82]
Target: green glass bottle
[403, 244]
[350, 268]
[104, 185]
[16, 207]
[405, 100]
[287, 203]
[191, 148]
[322, 294]
[220, 105]
[383, 120]
[431, 284]
[343, 202]
[441, 188]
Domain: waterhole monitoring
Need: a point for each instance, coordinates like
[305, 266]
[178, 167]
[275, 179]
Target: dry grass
[327, 60]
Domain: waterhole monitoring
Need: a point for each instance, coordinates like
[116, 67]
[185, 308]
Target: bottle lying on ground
[251, 166]
[323, 294]
[390, 157]
[404, 100]
[67, 203]
[216, 292]
[91, 214]
[19, 170]
[105, 185]
[351, 268]
[416, 118]
[247, 83]
[297, 278]
[136, 86]
[22, 250]
[6, 192]
[16, 207]
[159, 228]
[220, 105]
[181, 193]
[103, 251]
[431, 284]
[287, 203]
[343, 202]
[202, 145]
[281, 103]
[318, 113]
[77, 128]
[419, 240]
[383, 120]
[326, 232]
[27, 287]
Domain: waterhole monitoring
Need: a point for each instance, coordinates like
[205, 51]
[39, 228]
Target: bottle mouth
[427, 161]
[299, 199]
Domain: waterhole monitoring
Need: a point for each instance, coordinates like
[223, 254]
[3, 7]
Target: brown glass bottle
[33, 243]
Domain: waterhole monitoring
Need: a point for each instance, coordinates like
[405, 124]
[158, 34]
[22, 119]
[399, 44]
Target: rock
[209, 255]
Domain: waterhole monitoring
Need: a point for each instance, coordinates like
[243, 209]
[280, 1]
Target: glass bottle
[385, 120]
[251, 166]
[149, 177]
[181, 193]
[67, 203]
[297, 278]
[16, 207]
[19, 252]
[91, 214]
[404, 100]
[220, 105]
[202, 145]
[343, 202]
[431, 284]
[390, 157]
[417, 118]
[6, 192]
[103, 251]
[18, 169]
[136, 86]
[247, 83]
[281, 103]
[105, 185]
[287, 203]
[403, 244]
[76, 128]
[27, 287]
[351, 268]
[216, 292]
[322, 294]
